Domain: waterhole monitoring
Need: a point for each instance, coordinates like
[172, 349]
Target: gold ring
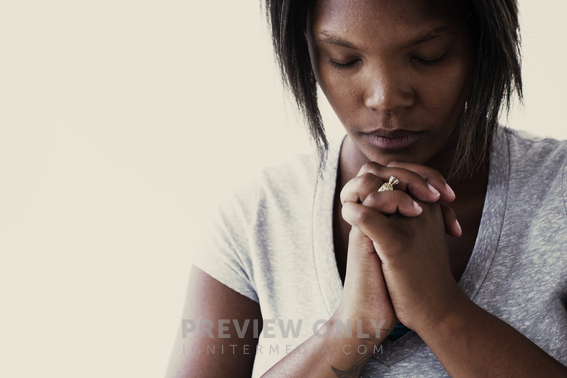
[387, 186]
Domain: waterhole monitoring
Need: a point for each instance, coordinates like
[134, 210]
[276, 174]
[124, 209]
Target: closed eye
[343, 65]
[429, 62]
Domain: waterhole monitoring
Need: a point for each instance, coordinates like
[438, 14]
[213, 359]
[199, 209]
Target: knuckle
[354, 214]
[368, 179]
[371, 166]
[387, 202]
[432, 172]
[423, 171]
[402, 201]
[363, 214]
[414, 180]
[372, 199]
[415, 177]
[347, 192]
[394, 164]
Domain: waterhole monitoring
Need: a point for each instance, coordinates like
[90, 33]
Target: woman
[427, 216]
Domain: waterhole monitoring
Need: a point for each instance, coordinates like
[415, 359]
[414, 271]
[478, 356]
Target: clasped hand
[398, 259]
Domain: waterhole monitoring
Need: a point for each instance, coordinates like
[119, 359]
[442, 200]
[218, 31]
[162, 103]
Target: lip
[393, 139]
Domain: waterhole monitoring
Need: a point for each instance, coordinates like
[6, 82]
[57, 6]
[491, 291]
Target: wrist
[369, 331]
[451, 319]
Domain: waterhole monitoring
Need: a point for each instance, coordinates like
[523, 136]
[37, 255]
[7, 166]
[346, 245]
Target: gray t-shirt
[272, 242]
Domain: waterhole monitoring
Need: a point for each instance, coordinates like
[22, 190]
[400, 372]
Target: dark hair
[496, 71]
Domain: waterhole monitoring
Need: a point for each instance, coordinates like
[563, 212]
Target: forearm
[331, 356]
[470, 342]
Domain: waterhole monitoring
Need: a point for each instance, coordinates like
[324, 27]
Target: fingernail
[417, 207]
[450, 190]
[433, 190]
[459, 227]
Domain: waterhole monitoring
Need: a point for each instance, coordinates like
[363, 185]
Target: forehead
[386, 18]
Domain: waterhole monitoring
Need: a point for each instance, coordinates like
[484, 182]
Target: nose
[388, 90]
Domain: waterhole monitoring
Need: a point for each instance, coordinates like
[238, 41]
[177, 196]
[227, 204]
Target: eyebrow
[326, 37]
[439, 32]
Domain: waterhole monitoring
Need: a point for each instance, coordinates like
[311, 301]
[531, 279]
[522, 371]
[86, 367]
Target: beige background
[120, 123]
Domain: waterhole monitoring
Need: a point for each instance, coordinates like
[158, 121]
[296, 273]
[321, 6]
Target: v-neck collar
[481, 258]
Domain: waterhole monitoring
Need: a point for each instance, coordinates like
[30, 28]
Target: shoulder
[536, 166]
[241, 225]
[529, 150]
[530, 157]
[272, 186]
[296, 177]
[285, 187]
[249, 226]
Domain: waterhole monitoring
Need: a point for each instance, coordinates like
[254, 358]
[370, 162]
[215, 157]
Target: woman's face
[396, 72]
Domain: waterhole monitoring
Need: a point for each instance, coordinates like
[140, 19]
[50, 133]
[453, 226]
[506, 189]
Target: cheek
[447, 91]
[343, 95]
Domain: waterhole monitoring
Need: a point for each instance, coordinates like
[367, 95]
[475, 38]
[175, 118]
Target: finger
[372, 223]
[360, 216]
[357, 189]
[393, 201]
[431, 176]
[452, 226]
[409, 181]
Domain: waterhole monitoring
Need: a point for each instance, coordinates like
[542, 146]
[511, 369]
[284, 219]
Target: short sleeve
[225, 243]
[564, 185]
